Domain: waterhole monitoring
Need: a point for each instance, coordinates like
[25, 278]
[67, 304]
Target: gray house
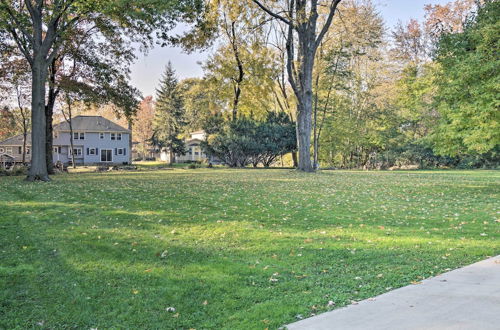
[96, 140]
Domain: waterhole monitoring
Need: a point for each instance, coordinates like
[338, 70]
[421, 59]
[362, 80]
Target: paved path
[464, 299]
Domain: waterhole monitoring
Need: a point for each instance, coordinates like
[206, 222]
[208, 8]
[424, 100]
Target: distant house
[194, 151]
[96, 140]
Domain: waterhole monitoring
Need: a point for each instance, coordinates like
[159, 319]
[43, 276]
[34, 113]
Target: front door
[106, 155]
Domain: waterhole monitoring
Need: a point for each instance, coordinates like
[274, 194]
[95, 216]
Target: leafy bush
[245, 141]
[14, 171]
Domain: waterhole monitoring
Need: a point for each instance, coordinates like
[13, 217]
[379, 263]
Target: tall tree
[169, 114]
[143, 125]
[40, 29]
[301, 18]
[469, 85]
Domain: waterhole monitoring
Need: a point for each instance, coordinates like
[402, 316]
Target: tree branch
[275, 15]
[328, 23]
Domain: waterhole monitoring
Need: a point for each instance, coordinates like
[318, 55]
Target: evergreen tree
[169, 115]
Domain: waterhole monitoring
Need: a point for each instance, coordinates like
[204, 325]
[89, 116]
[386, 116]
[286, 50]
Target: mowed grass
[230, 249]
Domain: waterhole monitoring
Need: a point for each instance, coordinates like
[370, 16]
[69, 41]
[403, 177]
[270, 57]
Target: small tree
[169, 115]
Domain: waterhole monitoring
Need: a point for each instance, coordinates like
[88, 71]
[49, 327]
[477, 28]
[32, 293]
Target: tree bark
[295, 159]
[49, 112]
[71, 137]
[38, 169]
[130, 141]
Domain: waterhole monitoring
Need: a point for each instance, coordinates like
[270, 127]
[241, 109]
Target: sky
[147, 70]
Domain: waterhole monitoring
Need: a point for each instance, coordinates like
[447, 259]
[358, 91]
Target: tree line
[356, 95]
[425, 93]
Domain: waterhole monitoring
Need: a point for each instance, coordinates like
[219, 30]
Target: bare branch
[275, 15]
[328, 23]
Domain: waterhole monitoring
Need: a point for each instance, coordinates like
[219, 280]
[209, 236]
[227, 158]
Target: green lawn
[233, 249]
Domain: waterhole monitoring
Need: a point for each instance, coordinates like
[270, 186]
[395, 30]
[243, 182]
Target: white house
[194, 152]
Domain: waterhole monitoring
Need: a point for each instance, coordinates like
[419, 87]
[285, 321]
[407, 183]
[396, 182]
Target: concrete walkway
[467, 299]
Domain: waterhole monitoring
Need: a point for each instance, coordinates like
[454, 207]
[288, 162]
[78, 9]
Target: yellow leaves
[205, 303]
[416, 282]
[135, 291]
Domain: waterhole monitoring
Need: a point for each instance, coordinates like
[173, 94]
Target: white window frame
[28, 150]
[100, 155]
[92, 152]
[2, 149]
[55, 150]
[119, 151]
[8, 150]
[101, 136]
[78, 153]
[118, 136]
[112, 136]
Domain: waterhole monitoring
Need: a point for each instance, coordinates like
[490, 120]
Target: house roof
[16, 140]
[198, 141]
[7, 156]
[80, 123]
[91, 124]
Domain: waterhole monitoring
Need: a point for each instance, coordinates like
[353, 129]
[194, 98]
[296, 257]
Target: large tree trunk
[304, 139]
[38, 169]
[49, 112]
[49, 137]
[304, 95]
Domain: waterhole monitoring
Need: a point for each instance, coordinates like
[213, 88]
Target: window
[76, 151]
[120, 151]
[78, 136]
[101, 136]
[56, 135]
[56, 150]
[2, 150]
[92, 151]
[19, 150]
[28, 150]
[113, 136]
[119, 136]
[106, 155]
[8, 150]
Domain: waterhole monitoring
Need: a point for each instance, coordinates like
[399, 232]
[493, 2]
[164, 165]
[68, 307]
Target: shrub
[245, 141]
